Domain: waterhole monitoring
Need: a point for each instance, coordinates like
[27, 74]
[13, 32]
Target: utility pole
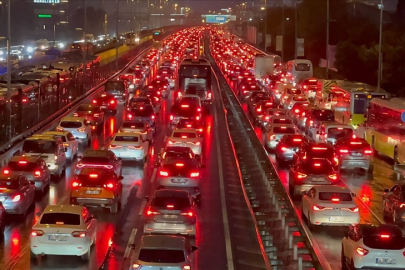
[265, 24]
[8, 121]
[282, 34]
[327, 40]
[296, 30]
[116, 34]
[381, 6]
[85, 48]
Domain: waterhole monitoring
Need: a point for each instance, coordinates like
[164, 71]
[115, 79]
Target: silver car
[354, 153]
[130, 146]
[275, 132]
[138, 126]
[171, 212]
[163, 252]
[78, 126]
[287, 146]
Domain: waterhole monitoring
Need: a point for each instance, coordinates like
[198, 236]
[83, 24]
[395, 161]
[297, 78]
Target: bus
[350, 101]
[195, 78]
[384, 128]
[298, 69]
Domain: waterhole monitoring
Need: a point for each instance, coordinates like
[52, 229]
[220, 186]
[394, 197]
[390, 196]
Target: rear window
[283, 130]
[126, 139]
[335, 133]
[323, 115]
[117, 85]
[66, 124]
[174, 203]
[60, 219]
[9, 184]
[95, 160]
[294, 91]
[83, 108]
[184, 135]
[342, 196]
[320, 152]
[302, 67]
[299, 98]
[393, 238]
[293, 140]
[22, 166]
[133, 125]
[161, 255]
[39, 146]
[282, 121]
[317, 167]
[144, 112]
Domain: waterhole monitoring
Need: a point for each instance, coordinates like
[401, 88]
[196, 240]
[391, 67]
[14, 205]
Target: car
[184, 111]
[394, 203]
[186, 137]
[171, 212]
[129, 78]
[138, 127]
[167, 74]
[258, 108]
[99, 158]
[17, 193]
[106, 103]
[330, 205]
[177, 153]
[129, 146]
[278, 120]
[93, 114]
[354, 153]
[78, 126]
[269, 114]
[118, 89]
[287, 146]
[368, 246]
[306, 173]
[315, 117]
[69, 142]
[143, 113]
[311, 149]
[32, 168]
[295, 99]
[183, 174]
[139, 101]
[191, 100]
[190, 124]
[68, 230]
[98, 187]
[163, 85]
[274, 133]
[330, 132]
[163, 252]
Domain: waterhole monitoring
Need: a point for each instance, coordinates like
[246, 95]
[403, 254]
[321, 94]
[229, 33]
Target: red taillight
[93, 175]
[343, 151]
[301, 175]
[402, 205]
[311, 123]
[368, 152]
[332, 177]
[16, 198]
[171, 117]
[94, 101]
[194, 174]
[110, 185]
[197, 118]
[153, 117]
[187, 213]
[335, 200]
[75, 114]
[163, 173]
[76, 184]
[59, 129]
[129, 116]
[115, 146]
[136, 266]
[6, 171]
[151, 211]
[317, 164]
[179, 164]
[79, 234]
[318, 208]
[296, 110]
[37, 173]
[80, 165]
[272, 137]
[385, 236]
[186, 267]
[112, 102]
[284, 149]
[209, 95]
[108, 166]
[362, 251]
[37, 233]
[354, 209]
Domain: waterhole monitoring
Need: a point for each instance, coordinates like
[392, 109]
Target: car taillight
[301, 175]
[151, 211]
[343, 151]
[197, 143]
[136, 266]
[171, 117]
[75, 114]
[354, 209]
[163, 173]
[37, 173]
[361, 251]
[402, 205]
[172, 142]
[311, 123]
[368, 152]
[272, 137]
[108, 166]
[37, 233]
[318, 208]
[188, 213]
[16, 198]
[153, 117]
[195, 174]
[284, 148]
[59, 129]
[112, 102]
[76, 184]
[6, 171]
[332, 177]
[94, 101]
[110, 185]
[115, 146]
[186, 267]
[96, 115]
[79, 234]
[209, 95]
[129, 116]
[81, 129]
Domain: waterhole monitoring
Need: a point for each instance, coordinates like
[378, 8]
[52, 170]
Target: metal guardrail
[283, 236]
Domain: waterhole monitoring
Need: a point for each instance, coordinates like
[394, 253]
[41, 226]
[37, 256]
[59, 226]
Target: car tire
[87, 255]
[33, 257]
[310, 226]
[114, 208]
[343, 260]
[291, 191]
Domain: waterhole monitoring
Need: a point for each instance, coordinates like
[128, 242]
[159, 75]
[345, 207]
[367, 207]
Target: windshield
[134, 125]
[39, 146]
[316, 166]
[177, 202]
[84, 108]
[161, 255]
[9, 184]
[126, 139]
[75, 124]
[283, 130]
[323, 115]
[184, 135]
[117, 85]
[22, 166]
[60, 219]
[302, 67]
[342, 196]
[372, 238]
[335, 133]
[282, 121]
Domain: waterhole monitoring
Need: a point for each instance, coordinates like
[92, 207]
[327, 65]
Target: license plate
[356, 154]
[103, 107]
[318, 179]
[57, 237]
[176, 180]
[92, 192]
[170, 216]
[336, 219]
[385, 261]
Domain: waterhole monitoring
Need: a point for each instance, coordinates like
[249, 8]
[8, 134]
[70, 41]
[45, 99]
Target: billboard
[216, 18]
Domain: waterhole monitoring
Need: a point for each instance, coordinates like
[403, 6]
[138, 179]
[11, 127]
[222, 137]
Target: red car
[106, 102]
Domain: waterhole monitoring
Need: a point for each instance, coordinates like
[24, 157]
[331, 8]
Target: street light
[381, 7]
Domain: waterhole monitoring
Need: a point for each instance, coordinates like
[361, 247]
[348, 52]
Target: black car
[118, 89]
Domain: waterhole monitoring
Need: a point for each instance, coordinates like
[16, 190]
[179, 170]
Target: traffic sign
[216, 18]
[44, 16]
[403, 117]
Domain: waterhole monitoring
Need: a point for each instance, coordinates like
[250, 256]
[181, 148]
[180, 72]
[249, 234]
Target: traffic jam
[69, 183]
[314, 140]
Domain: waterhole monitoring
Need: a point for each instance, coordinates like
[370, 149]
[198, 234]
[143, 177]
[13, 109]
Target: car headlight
[30, 49]
[1, 52]
[131, 86]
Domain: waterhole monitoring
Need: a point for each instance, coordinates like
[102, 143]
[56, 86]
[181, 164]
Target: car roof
[72, 119]
[129, 134]
[96, 153]
[56, 133]
[332, 188]
[163, 241]
[177, 149]
[64, 208]
[171, 193]
[282, 125]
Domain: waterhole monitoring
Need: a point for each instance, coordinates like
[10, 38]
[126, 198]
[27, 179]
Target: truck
[263, 66]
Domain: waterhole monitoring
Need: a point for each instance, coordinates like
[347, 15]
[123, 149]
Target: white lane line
[228, 248]
[152, 179]
[142, 209]
[130, 242]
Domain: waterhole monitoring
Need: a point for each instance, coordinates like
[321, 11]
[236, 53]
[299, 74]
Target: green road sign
[44, 16]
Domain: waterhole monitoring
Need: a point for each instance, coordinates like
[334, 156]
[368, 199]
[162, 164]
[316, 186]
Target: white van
[332, 131]
[50, 149]
[298, 70]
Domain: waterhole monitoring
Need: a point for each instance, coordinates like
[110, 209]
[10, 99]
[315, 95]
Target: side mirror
[194, 248]
[386, 190]
[32, 183]
[120, 177]
[66, 149]
[147, 198]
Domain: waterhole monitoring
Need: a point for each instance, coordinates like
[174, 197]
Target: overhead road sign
[47, 1]
[216, 18]
[44, 16]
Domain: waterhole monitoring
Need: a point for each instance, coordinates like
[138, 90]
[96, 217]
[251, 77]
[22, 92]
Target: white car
[330, 205]
[69, 141]
[78, 126]
[275, 132]
[190, 99]
[187, 138]
[278, 120]
[64, 230]
[368, 246]
[129, 145]
[138, 127]
[293, 99]
[270, 113]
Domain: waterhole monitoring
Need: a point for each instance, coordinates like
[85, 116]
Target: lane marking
[152, 179]
[130, 241]
[142, 208]
[228, 247]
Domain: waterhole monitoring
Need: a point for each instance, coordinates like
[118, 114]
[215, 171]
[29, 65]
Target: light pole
[282, 34]
[116, 34]
[85, 46]
[265, 24]
[296, 31]
[381, 6]
[8, 115]
[327, 40]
